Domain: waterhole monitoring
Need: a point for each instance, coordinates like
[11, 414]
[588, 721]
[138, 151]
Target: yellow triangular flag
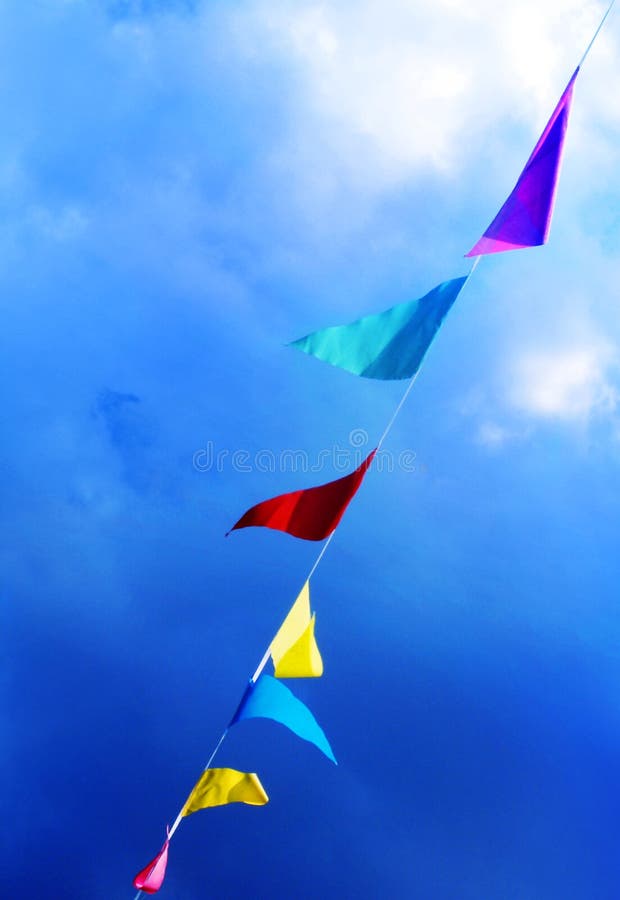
[293, 626]
[303, 659]
[217, 787]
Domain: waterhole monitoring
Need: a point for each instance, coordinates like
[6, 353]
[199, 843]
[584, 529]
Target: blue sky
[186, 187]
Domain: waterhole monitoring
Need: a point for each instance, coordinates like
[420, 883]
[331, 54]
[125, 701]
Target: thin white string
[177, 821]
[386, 432]
[255, 676]
[596, 33]
[179, 818]
[315, 566]
[383, 437]
[412, 381]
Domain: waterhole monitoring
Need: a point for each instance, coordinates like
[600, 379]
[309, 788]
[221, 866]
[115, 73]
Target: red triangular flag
[311, 514]
[151, 878]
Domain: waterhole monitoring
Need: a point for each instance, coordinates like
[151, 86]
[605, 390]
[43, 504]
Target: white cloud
[424, 85]
[65, 224]
[494, 436]
[571, 384]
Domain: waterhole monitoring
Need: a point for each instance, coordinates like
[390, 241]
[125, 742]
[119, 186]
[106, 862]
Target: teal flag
[388, 345]
[268, 698]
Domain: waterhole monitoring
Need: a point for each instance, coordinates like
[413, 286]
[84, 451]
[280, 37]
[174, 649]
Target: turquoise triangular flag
[268, 698]
[388, 345]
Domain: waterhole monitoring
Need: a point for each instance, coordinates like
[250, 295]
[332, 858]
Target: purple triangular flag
[525, 218]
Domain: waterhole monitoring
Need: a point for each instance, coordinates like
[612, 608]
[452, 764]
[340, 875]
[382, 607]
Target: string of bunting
[389, 345]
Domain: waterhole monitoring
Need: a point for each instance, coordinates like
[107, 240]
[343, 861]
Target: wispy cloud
[130, 433]
[494, 436]
[65, 224]
[405, 89]
[569, 381]
[572, 384]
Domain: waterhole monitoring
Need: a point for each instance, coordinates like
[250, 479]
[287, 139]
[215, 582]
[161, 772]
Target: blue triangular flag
[268, 698]
[389, 345]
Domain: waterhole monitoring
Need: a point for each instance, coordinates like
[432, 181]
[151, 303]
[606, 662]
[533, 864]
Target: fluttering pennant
[219, 787]
[311, 514]
[268, 698]
[151, 878]
[389, 345]
[294, 650]
[525, 218]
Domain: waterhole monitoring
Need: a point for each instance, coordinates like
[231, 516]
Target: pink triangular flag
[151, 878]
